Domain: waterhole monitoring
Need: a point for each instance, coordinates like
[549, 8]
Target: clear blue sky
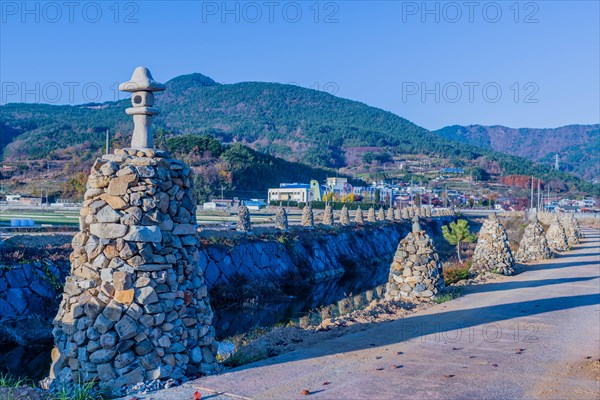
[544, 56]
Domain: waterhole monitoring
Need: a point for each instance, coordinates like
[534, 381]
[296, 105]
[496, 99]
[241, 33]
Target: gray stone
[103, 324]
[107, 215]
[108, 231]
[126, 328]
[102, 356]
[139, 233]
[108, 340]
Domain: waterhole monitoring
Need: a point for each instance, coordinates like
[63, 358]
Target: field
[71, 217]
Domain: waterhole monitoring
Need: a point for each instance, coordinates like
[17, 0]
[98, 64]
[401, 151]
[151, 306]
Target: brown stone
[115, 202]
[122, 280]
[110, 251]
[124, 296]
[118, 186]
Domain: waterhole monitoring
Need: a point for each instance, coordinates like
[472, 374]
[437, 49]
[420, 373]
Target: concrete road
[524, 338]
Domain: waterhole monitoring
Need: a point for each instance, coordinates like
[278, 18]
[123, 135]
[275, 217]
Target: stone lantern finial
[141, 86]
[416, 227]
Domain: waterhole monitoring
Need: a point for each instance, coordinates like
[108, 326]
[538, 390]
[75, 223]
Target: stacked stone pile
[308, 218]
[371, 215]
[572, 231]
[428, 212]
[281, 219]
[397, 214]
[381, 214]
[135, 306]
[390, 214]
[345, 216]
[416, 271]
[556, 236]
[328, 216]
[404, 213]
[243, 223]
[358, 216]
[492, 253]
[533, 246]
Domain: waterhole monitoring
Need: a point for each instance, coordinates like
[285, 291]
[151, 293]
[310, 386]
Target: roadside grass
[9, 381]
[449, 294]
[81, 391]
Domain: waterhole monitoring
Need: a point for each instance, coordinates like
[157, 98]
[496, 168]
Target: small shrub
[456, 272]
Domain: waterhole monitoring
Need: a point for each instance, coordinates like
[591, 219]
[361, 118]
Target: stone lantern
[142, 87]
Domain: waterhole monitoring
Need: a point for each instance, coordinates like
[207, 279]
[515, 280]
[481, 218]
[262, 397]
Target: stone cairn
[533, 246]
[243, 223]
[416, 271]
[572, 231]
[345, 216]
[405, 214]
[358, 216]
[492, 253]
[281, 219]
[428, 212]
[308, 218]
[390, 214]
[135, 306]
[328, 215]
[381, 214]
[556, 236]
[371, 215]
[397, 214]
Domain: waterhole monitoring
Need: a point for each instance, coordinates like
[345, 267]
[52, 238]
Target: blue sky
[520, 64]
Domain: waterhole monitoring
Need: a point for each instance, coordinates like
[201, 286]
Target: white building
[300, 192]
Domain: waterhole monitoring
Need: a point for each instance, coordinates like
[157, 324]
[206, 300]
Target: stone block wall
[30, 289]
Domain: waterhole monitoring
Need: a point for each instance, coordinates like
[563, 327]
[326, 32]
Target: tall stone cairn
[492, 253]
[390, 214]
[243, 223]
[358, 216]
[281, 219]
[381, 214]
[572, 231]
[416, 271]
[345, 216]
[556, 236]
[135, 306]
[404, 213]
[533, 246]
[428, 212]
[308, 218]
[371, 215]
[397, 214]
[328, 216]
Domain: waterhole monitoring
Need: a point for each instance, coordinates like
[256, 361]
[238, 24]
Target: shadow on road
[491, 287]
[449, 324]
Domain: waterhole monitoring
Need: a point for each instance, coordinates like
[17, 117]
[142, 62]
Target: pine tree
[457, 234]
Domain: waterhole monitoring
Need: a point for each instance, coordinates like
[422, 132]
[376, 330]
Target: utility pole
[538, 201]
[531, 197]
[107, 141]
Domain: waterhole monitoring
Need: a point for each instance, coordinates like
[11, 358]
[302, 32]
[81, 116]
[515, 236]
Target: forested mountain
[577, 145]
[287, 121]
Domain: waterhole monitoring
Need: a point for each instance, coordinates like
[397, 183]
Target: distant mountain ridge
[577, 145]
[286, 121]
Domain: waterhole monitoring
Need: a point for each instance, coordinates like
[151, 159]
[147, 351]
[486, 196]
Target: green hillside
[286, 121]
